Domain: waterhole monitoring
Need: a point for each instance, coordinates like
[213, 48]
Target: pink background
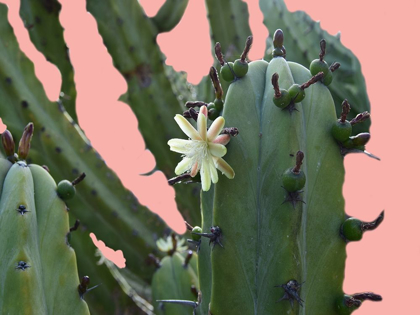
[384, 35]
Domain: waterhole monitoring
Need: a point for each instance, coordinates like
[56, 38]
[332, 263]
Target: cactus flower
[204, 150]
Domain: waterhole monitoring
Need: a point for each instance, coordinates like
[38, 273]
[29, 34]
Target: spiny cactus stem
[22, 210]
[360, 118]
[232, 131]
[322, 44]
[367, 296]
[299, 162]
[216, 83]
[191, 104]
[178, 179]
[248, 45]
[25, 141]
[275, 83]
[75, 226]
[317, 77]
[344, 111]
[78, 179]
[218, 53]
[370, 226]
[335, 66]
[188, 258]
[152, 259]
[8, 143]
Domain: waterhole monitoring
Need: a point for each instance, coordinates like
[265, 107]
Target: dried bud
[8, 143]
[25, 141]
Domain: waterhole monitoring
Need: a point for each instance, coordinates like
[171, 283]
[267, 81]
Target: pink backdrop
[385, 39]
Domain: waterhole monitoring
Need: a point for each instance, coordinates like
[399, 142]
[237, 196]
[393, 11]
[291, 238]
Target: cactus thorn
[83, 286]
[78, 179]
[291, 289]
[8, 143]
[22, 209]
[180, 178]
[215, 236]
[22, 265]
[25, 141]
[293, 197]
[247, 47]
[216, 83]
[218, 53]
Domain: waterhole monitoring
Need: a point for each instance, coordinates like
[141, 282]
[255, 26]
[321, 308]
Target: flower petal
[194, 169]
[187, 128]
[224, 167]
[215, 128]
[179, 145]
[216, 149]
[202, 124]
[205, 176]
[183, 166]
[222, 139]
[213, 172]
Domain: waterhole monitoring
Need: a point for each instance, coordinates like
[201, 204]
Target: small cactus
[38, 269]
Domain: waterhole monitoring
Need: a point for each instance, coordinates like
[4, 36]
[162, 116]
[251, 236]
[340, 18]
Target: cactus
[278, 230]
[38, 267]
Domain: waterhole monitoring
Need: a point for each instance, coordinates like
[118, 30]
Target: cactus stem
[291, 289]
[317, 77]
[344, 111]
[322, 44]
[83, 286]
[153, 260]
[299, 162]
[248, 45]
[22, 265]
[335, 66]
[188, 258]
[370, 226]
[78, 179]
[216, 83]
[360, 118]
[22, 209]
[218, 53]
[232, 131]
[215, 236]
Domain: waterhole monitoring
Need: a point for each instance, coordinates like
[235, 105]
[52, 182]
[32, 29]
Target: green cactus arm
[41, 18]
[169, 15]
[268, 242]
[302, 44]
[59, 143]
[130, 38]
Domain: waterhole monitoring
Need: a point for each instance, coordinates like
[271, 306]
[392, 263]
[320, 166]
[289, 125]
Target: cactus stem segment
[22, 209]
[78, 179]
[291, 289]
[22, 265]
[25, 141]
[216, 83]
[215, 236]
[322, 45]
[83, 286]
[247, 48]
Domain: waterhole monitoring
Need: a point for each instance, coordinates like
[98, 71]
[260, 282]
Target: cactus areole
[38, 271]
[281, 217]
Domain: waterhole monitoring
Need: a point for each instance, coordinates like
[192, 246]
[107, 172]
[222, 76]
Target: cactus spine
[280, 221]
[38, 268]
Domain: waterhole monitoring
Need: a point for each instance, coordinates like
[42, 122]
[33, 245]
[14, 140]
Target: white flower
[204, 150]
